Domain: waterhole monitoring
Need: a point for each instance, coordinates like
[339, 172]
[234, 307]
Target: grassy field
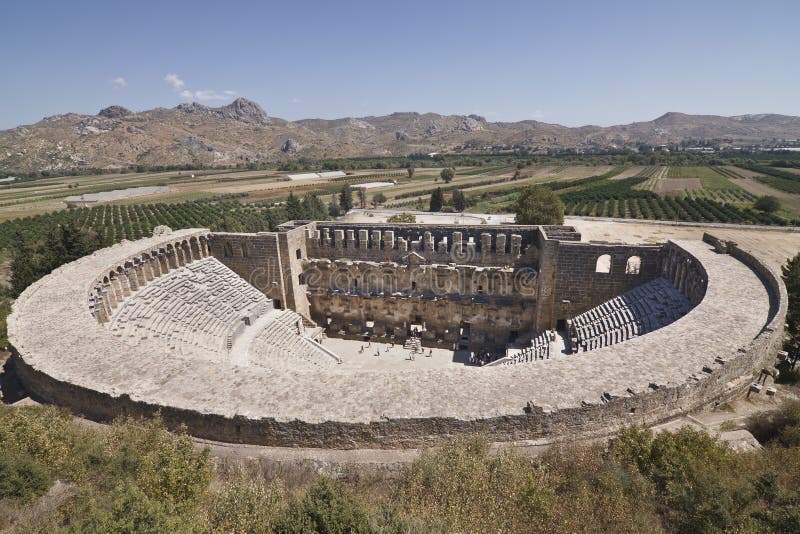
[709, 177]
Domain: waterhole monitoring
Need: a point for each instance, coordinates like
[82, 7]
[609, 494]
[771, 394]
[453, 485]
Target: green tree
[294, 209]
[378, 199]
[437, 200]
[362, 197]
[447, 175]
[791, 277]
[314, 208]
[346, 198]
[459, 200]
[767, 204]
[334, 210]
[538, 205]
[410, 171]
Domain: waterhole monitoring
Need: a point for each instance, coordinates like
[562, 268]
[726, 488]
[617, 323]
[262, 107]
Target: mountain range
[242, 132]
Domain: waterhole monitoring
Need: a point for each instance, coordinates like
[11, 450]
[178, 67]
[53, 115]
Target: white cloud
[119, 82]
[204, 95]
[176, 83]
[200, 95]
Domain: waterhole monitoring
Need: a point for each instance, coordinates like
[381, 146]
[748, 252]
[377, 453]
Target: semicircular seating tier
[81, 337]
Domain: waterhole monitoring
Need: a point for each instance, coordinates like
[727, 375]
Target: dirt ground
[628, 173]
[677, 185]
[744, 173]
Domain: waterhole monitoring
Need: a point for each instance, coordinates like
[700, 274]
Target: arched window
[633, 265]
[228, 249]
[245, 254]
[603, 264]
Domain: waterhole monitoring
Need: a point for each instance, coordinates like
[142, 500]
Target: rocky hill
[242, 132]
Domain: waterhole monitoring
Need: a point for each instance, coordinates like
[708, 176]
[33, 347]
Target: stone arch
[228, 253]
[633, 265]
[603, 264]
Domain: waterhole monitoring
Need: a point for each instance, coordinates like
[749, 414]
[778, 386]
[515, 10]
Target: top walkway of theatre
[53, 333]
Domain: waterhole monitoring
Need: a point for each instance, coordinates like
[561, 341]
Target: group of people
[482, 358]
[368, 346]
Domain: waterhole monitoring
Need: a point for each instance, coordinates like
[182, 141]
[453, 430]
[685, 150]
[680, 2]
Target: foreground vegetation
[135, 477]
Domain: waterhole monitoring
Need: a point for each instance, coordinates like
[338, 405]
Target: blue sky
[566, 62]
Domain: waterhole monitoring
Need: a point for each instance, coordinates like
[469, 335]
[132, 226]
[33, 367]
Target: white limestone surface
[53, 332]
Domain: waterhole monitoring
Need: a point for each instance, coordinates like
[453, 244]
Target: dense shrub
[328, 507]
[22, 478]
[767, 203]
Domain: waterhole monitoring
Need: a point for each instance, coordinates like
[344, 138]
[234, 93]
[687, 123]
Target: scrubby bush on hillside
[22, 478]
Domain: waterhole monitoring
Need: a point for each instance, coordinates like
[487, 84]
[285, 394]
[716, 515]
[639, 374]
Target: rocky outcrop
[241, 131]
[240, 110]
[94, 125]
[246, 111]
[114, 112]
[290, 146]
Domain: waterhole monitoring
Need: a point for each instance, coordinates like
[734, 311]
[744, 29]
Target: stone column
[119, 294]
[139, 267]
[163, 261]
[456, 248]
[427, 240]
[108, 296]
[101, 309]
[187, 247]
[326, 237]
[388, 238]
[133, 280]
[147, 269]
[338, 239]
[363, 239]
[516, 245]
[486, 246]
[500, 244]
[376, 239]
[125, 281]
[402, 244]
[351, 239]
[471, 249]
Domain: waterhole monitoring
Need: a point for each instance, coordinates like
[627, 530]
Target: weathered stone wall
[492, 322]
[684, 271]
[129, 274]
[472, 245]
[294, 254]
[578, 284]
[256, 258]
[719, 381]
